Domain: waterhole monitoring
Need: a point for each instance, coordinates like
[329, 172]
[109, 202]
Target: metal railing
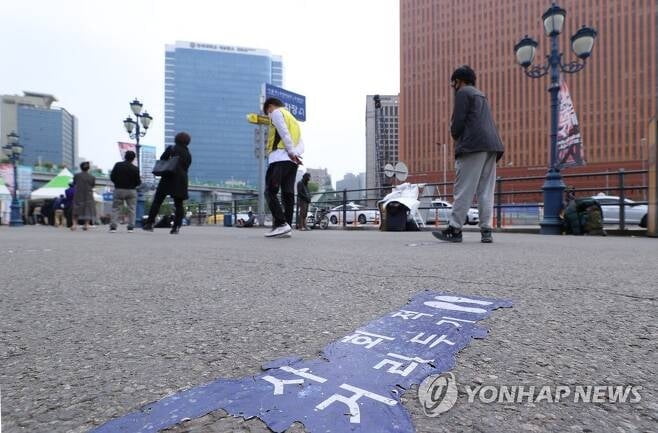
[518, 200]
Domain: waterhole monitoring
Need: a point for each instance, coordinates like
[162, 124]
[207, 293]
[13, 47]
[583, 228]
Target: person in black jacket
[125, 176]
[303, 200]
[174, 185]
[477, 149]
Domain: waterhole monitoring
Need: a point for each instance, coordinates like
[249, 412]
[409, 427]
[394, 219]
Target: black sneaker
[113, 228]
[147, 227]
[450, 234]
[130, 228]
[486, 236]
[174, 230]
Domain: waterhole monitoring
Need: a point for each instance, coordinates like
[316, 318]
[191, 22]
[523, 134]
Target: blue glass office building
[209, 89]
[47, 135]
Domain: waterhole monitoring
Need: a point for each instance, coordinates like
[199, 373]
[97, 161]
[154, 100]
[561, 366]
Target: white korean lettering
[351, 402]
[453, 321]
[436, 340]
[409, 315]
[366, 339]
[450, 303]
[396, 366]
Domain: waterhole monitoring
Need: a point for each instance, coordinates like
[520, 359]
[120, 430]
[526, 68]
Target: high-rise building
[615, 95]
[48, 134]
[209, 89]
[352, 182]
[381, 139]
[320, 176]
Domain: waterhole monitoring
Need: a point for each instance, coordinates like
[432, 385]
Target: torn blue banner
[356, 384]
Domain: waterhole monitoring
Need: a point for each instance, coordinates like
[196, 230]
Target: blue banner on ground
[294, 102]
[354, 386]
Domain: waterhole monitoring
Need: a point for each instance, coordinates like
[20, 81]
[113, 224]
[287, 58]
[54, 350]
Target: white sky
[96, 56]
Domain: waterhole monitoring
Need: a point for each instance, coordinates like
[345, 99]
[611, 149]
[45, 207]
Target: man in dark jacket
[303, 200]
[175, 184]
[477, 149]
[125, 176]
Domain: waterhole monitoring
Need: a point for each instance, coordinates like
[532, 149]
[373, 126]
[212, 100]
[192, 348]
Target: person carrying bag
[172, 166]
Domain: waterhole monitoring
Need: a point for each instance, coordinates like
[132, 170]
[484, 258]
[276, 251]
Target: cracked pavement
[93, 325]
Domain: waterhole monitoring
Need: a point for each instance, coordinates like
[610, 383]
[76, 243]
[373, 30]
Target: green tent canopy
[4, 191]
[56, 187]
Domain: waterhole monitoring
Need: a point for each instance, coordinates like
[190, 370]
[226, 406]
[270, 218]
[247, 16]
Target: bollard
[652, 223]
[499, 202]
[622, 201]
[344, 208]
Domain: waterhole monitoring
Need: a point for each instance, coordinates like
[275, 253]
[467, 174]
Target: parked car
[442, 210]
[354, 211]
[634, 213]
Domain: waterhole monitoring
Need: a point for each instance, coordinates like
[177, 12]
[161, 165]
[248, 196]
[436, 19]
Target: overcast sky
[96, 56]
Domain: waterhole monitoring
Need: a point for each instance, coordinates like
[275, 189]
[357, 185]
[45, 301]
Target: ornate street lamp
[582, 43]
[13, 151]
[143, 120]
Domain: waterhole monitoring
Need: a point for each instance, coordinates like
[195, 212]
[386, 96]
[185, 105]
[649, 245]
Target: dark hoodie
[473, 127]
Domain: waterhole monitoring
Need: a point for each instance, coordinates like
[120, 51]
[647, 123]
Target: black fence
[518, 200]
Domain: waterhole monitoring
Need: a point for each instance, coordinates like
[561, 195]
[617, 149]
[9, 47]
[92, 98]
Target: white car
[633, 213]
[354, 212]
[442, 210]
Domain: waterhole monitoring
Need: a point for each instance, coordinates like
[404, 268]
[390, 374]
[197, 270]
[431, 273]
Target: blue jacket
[68, 197]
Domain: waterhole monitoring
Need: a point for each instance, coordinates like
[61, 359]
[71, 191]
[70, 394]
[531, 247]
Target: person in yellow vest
[284, 147]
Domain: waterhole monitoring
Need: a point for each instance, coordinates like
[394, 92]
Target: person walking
[477, 149]
[284, 147]
[84, 206]
[125, 177]
[174, 184]
[69, 193]
[58, 207]
[303, 200]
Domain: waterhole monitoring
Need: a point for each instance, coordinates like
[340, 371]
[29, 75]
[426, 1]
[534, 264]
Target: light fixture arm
[572, 67]
[537, 71]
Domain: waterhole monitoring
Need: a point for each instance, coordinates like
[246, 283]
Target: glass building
[48, 135]
[209, 89]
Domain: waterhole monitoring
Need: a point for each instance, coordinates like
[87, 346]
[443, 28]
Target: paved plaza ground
[94, 325]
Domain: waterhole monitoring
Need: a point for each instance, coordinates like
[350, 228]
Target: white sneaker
[278, 231]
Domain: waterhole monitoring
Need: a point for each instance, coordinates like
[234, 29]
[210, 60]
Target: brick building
[615, 96]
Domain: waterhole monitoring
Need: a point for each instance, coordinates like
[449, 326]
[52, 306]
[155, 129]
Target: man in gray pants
[477, 149]
[125, 176]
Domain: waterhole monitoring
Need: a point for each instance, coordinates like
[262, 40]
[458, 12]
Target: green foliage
[313, 187]
[167, 208]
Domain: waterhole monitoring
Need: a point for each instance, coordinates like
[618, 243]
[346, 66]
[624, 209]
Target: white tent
[57, 186]
[4, 191]
[5, 203]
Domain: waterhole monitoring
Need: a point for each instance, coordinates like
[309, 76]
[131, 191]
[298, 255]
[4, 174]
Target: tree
[313, 187]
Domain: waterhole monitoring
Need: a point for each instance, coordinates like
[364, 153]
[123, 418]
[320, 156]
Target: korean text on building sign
[294, 102]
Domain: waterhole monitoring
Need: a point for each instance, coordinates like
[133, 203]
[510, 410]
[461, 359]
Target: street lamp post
[582, 43]
[134, 125]
[13, 150]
